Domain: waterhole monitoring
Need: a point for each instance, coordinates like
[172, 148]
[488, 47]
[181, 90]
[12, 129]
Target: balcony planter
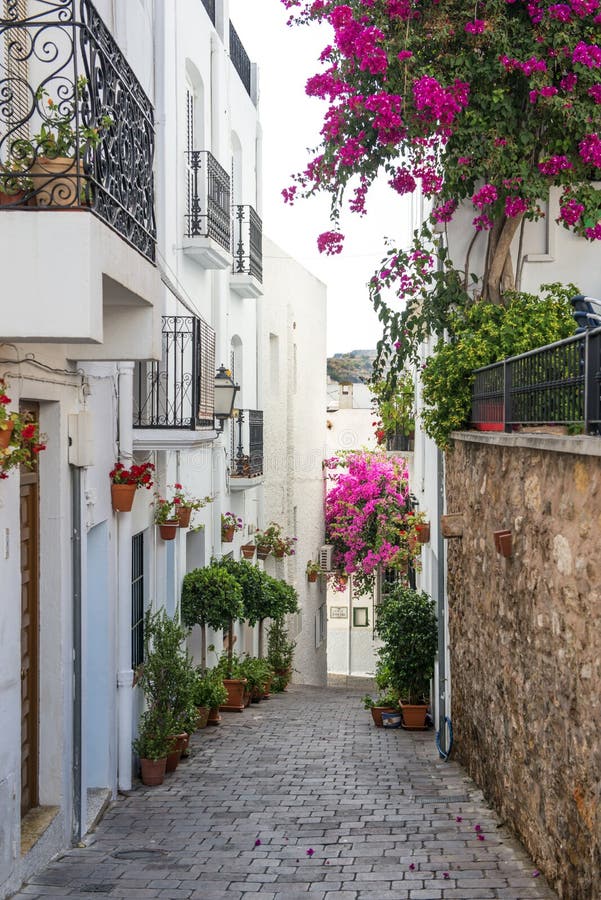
[263, 551]
[414, 716]
[248, 550]
[122, 496]
[6, 434]
[227, 535]
[153, 771]
[168, 530]
[64, 178]
[184, 514]
[235, 694]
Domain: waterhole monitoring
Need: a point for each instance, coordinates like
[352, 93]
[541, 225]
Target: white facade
[88, 332]
[293, 376]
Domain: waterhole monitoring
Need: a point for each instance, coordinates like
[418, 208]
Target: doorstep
[34, 824]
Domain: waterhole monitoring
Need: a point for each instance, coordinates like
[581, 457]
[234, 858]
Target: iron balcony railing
[178, 391]
[76, 127]
[559, 384]
[247, 444]
[240, 59]
[209, 210]
[209, 5]
[247, 243]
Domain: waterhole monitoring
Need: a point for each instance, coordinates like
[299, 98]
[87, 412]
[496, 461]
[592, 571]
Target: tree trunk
[261, 638]
[500, 277]
[203, 647]
[230, 648]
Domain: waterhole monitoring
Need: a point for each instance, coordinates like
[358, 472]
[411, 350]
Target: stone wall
[525, 636]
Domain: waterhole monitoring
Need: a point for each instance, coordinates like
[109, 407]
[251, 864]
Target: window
[137, 600]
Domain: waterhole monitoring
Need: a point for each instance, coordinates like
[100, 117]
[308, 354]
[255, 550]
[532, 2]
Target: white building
[115, 314]
[293, 376]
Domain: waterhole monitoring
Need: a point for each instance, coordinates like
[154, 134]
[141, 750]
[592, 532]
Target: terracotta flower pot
[214, 717]
[184, 514]
[247, 698]
[284, 674]
[173, 758]
[168, 530]
[227, 535]
[122, 496]
[152, 771]
[256, 695]
[263, 551]
[6, 434]
[11, 198]
[279, 554]
[58, 181]
[248, 550]
[414, 716]
[266, 689]
[423, 533]
[312, 577]
[185, 744]
[203, 716]
[376, 713]
[235, 694]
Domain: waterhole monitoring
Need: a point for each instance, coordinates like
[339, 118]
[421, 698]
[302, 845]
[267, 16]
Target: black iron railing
[209, 210]
[247, 444]
[209, 5]
[76, 127]
[178, 391]
[240, 59]
[559, 384]
[247, 243]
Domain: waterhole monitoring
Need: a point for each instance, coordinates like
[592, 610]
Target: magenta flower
[258, 842]
[310, 851]
[412, 867]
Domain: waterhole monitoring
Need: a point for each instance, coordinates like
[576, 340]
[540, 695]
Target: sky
[291, 122]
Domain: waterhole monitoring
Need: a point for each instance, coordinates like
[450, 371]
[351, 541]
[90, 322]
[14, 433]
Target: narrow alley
[301, 796]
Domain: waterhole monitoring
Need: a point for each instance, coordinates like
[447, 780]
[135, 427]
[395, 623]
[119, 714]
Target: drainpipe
[76, 831]
[125, 675]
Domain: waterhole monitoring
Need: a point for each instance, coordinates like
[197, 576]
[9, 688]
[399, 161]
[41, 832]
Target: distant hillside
[355, 366]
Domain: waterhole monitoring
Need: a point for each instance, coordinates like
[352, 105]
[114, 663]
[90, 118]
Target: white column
[125, 675]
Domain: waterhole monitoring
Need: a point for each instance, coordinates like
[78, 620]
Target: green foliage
[389, 698]
[280, 650]
[209, 691]
[256, 671]
[211, 596]
[406, 623]
[396, 412]
[155, 736]
[167, 676]
[482, 334]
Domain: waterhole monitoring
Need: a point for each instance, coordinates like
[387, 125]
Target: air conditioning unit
[325, 557]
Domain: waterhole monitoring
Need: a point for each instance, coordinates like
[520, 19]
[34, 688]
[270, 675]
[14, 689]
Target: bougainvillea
[486, 106]
[369, 518]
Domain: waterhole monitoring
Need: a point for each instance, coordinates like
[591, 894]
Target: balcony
[246, 451]
[174, 398]
[76, 136]
[208, 227]
[247, 249]
[240, 60]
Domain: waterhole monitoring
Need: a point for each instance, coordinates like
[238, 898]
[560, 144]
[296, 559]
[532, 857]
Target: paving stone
[307, 770]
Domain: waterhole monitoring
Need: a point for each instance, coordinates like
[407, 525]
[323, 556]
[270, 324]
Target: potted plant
[216, 695]
[20, 438]
[125, 483]
[406, 623]
[184, 505]
[280, 653]
[209, 694]
[312, 569]
[271, 540]
[211, 596]
[248, 550]
[230, 523]
[165, 517]
[14, 182]
[57, 153]
[258, 674]
[152, 746]
[385, 702]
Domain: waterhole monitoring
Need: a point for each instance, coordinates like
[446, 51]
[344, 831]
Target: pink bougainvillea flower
[310, 851]
[258, 842]
[412, 867]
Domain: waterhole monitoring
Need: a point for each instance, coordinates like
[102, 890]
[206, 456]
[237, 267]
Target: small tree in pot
[280, 653]
[406, 623]
[211, 596]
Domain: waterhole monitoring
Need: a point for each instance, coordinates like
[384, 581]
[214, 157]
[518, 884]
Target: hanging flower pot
[248, 550]
[279, 554]
[184, 514]
[263, 551]
[423, 532]
[122, 496]
[168, 530]
[451, 525]
[6, 434]
[312, 577]
[227, 535]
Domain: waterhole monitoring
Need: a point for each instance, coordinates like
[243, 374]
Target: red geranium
[138, 475]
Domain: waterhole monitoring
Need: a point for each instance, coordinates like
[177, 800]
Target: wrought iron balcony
[208, 214]
[246, 454]
[179, 391]
[209, 5]
[240, 59]
[247, 250]
[76, 127]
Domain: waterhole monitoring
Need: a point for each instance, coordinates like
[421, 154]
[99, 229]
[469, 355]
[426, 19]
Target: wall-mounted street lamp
[225, 394]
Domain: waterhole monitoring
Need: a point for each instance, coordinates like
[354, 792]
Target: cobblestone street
[301, 797]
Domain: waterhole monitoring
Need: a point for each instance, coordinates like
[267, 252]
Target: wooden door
[29, 631]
